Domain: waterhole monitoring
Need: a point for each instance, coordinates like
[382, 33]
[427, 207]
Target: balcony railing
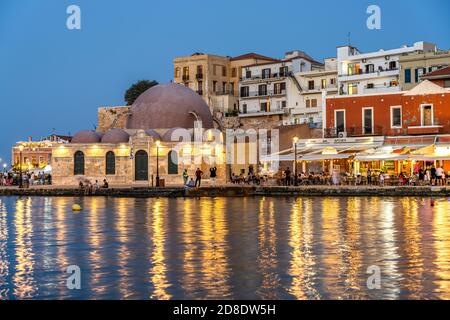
[185, 77]
[263, 93]
[223, 92]
[199, 76]
[272, 76]
[354, 132]
[361, 71]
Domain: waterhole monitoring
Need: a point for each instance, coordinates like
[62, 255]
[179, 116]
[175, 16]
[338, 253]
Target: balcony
[362, 74]
[317, 89]
[224, 92]
[199, 76]
[272, 77]
[432, 129]
[353, 132]
[381, 89]
[259, 113]
[267, 93]
[185, 77]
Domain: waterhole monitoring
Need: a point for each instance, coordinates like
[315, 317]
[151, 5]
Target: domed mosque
[139, 144]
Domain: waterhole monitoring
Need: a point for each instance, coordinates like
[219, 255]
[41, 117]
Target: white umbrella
[48, 169]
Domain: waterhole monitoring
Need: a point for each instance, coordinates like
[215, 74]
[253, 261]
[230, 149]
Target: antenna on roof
[348, 38]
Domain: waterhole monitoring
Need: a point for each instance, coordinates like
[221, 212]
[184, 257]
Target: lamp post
[295, 140]
[158, 143]
[20, 166]
[4, 167]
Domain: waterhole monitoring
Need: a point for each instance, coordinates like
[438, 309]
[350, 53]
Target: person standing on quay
[185, 177]
[288, 176]
[213, 175]
[198, 177]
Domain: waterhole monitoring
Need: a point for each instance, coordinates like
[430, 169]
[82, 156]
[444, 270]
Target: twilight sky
[52, 78]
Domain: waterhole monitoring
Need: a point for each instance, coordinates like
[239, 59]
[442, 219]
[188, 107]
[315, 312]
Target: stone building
[169, 128]
[214, 77]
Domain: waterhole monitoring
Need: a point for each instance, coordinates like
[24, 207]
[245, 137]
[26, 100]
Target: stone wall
[112, 117]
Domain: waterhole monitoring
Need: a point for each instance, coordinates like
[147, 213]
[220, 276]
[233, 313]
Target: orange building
[423, 110]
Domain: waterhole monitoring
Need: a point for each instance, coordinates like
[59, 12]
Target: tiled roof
[253, 55]
[440, 72]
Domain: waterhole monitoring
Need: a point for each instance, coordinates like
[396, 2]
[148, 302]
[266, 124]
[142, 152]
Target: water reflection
[225, 248]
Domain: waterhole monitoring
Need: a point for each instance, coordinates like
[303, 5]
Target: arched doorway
[172, 165]
[141, 166]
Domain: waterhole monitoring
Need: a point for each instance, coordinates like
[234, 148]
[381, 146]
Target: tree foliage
[136, 89]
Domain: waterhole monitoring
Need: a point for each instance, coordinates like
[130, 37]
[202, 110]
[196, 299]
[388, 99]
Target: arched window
[172, 159]
[78, 163]
[110, 163]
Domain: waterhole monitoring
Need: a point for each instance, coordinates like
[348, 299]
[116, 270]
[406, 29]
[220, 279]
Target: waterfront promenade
[234, 191]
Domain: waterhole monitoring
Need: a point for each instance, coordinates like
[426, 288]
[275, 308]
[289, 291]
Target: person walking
[198, 177]
[369, 177]
[185, 177]
[213, 175]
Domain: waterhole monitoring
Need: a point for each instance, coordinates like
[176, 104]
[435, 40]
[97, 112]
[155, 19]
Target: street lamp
[158, 143]
[20, 166]
[295, 140]
[4, 167]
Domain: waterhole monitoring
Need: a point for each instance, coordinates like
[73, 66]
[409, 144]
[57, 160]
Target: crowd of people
[25, 180]
[89, 188]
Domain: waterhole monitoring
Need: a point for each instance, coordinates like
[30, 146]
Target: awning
[381, 157]
[319, 157]
[428, 157]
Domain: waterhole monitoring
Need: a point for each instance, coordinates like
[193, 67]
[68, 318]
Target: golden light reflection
[23, 278]
[267, 251]
[389, 248]
[214, 258]
[441, 231]
[302, 261]
[158, 268]
[123, 221]
[96, 240]
[189, 238]
[4, 256]
[412, 250]
[332, 256]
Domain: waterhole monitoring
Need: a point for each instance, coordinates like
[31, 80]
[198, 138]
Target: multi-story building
[414, 65]
[214, 77]
[268, 89]
[309, 105]
[373, 72]
[33, 155]
[420, 111]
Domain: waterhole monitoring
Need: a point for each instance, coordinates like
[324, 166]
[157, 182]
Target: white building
[360, 73]
[308, 105]
[269, 88]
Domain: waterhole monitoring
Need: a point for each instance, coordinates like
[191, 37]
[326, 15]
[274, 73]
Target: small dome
[116, 136]
[153, 133]
[168, 106]
[86, 136]
[171, 136]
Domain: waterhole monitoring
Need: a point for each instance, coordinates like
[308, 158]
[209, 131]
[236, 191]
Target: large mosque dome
[168, 106]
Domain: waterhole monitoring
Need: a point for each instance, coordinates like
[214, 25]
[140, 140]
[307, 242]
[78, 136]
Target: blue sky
[55, 78]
